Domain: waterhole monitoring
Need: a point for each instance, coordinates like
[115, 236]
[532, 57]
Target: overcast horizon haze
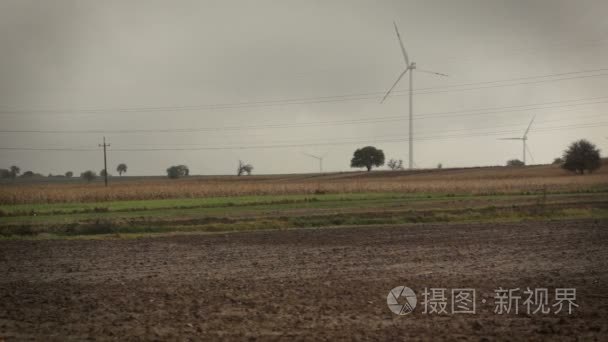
[208, 83]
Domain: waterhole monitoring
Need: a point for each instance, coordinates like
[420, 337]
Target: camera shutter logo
[401, 300]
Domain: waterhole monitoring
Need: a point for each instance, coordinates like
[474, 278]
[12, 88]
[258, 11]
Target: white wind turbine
[524, 139]
[408, 66]
[319, 158]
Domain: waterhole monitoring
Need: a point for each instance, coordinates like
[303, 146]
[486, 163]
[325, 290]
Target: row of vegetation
[173, 172]
[580, 157]
[15, 171]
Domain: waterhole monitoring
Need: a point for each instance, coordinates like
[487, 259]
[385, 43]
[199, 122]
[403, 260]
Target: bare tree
[394, 164]
[244, 168]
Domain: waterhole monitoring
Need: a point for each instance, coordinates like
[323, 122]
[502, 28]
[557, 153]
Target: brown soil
[321, 284]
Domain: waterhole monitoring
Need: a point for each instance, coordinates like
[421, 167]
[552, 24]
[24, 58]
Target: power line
[508, 85]
[511, 51]
[526, 50]
[356, 141]
[62, 149]
[368, 140]
[401, 135]
[374, 138]
[321, 99]
[458, 113]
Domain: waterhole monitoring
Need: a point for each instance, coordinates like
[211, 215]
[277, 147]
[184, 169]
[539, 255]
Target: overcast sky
[314, 71]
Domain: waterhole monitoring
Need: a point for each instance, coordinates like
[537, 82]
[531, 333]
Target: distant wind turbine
[524, 139]
[408, 66]
[319, 158]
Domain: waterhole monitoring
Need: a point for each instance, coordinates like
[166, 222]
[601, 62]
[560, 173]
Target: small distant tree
[515, 162]
[121, 168]
[14, 171]
[244, 168]
[89, 175]
[558, 161]
[581, 156]
[173, 172]
[177, 171]
[69, 174]
[367, 157]
[184, 170]
[394, 164]
[27, 174]
[440, 166]
[102, 173]
[4, 173]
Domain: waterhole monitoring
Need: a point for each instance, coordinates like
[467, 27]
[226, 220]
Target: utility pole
[105, 161]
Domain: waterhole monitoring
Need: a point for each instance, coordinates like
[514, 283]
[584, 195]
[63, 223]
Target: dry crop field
[488, 180]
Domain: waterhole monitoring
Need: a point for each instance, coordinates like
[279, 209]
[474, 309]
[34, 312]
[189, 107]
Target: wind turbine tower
[409, 67]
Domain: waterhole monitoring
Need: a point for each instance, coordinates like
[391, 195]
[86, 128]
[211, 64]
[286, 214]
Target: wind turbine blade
[530, 153]
[310, 155]
[530, 125]
[405, 57]
[395, 84]
[432, 72]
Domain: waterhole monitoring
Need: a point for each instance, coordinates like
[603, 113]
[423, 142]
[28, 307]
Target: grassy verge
[329, 211]
[63, 209]
[210, 202]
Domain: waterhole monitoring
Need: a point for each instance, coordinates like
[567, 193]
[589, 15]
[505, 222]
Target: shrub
[89, 175]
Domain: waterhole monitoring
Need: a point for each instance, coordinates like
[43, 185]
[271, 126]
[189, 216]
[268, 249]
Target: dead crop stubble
[470, 181]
